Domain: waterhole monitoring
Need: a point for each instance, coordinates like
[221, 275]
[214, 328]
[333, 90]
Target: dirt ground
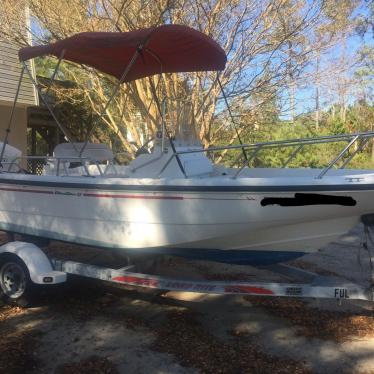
[92, 327]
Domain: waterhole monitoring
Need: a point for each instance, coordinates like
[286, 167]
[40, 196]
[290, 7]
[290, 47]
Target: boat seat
[71, 165]
[11, 158]
[93, 151]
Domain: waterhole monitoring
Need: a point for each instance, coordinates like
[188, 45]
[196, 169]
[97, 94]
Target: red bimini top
[163, 49]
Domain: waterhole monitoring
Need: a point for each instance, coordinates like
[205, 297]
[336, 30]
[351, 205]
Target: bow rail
[360, 138]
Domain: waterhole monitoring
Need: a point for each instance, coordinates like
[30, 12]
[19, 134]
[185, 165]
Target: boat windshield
[180, 121]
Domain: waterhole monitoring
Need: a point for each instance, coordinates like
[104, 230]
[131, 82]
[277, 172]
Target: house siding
[17, 136]
[10, 70]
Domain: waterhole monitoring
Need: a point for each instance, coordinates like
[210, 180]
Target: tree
[255, 35]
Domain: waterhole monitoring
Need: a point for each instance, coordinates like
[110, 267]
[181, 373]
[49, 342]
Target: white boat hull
[195, 214]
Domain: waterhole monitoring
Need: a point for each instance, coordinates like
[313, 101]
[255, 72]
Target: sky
[305, 95]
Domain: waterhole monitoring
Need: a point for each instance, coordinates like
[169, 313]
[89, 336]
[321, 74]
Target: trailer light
[47, 280]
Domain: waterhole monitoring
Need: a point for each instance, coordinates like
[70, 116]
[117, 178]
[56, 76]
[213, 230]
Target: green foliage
[359, 118]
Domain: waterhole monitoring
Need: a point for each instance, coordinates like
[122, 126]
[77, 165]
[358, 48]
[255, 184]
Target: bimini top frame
[162, 49]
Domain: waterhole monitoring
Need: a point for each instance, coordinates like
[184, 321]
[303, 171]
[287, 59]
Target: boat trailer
[319, 288]
[24, 268]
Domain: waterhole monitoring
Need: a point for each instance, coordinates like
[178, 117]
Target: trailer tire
[16, 286]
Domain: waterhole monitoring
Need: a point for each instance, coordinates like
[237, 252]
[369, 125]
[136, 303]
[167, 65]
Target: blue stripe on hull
[227, 256]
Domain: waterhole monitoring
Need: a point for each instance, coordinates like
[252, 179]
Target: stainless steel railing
[253, 149]
[59, 164]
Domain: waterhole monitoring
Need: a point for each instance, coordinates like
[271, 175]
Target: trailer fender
[36, 261]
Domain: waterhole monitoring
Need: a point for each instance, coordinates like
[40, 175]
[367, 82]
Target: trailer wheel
[15, 283]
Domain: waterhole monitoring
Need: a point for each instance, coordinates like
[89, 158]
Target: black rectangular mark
[303, 199]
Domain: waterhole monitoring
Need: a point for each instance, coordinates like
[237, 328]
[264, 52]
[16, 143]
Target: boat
[174, 200]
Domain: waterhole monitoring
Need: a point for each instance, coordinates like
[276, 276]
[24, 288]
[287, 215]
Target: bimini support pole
[232, 119]
[11, 115]
[45, 102]
[55, 71]
[123, 76]
[162, 110]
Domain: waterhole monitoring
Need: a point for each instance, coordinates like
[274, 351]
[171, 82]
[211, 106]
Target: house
[10, 70]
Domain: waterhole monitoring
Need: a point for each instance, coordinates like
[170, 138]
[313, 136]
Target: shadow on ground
[90, 327]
